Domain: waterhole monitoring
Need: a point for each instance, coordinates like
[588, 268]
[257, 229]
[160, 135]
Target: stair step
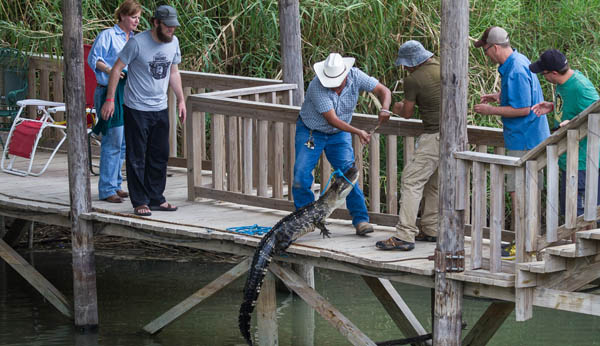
[567, 250]
[593, 234]
[550, 264]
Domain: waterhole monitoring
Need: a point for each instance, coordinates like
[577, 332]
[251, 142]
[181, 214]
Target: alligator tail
[258, 269]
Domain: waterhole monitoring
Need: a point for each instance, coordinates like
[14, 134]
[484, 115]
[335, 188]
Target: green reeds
[242, 37]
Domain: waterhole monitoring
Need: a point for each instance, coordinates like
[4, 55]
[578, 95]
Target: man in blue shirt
[520, 90]
[324, 124]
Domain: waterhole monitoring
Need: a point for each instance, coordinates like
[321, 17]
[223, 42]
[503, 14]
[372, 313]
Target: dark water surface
[132, 293]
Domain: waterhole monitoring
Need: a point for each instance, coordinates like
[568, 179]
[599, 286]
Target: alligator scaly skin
[281, 236]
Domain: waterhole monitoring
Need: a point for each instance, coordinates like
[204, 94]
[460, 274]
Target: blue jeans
[112, 154]
[562, 191]
[339, 152]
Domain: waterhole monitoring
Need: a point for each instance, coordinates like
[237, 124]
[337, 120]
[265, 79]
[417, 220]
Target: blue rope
[250, 230]
[339, 173]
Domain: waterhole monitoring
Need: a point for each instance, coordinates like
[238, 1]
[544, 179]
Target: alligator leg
[324, 231]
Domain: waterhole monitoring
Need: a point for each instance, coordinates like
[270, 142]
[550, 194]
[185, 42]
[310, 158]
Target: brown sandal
[114, 199]
[138, 210]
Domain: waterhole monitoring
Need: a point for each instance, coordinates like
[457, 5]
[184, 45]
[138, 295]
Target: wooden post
[291, 47]
[194, 150]
[571, 183]
[552, 199]
[447, 324]
[591, 178]
[291, 59]
[84, 266]
[266, 312]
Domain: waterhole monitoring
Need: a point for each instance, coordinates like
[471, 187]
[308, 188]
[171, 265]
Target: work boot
[425, 237]
[394, 243]
[362, 228]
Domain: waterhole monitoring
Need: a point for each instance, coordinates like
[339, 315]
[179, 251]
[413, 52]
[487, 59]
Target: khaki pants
[420, 181]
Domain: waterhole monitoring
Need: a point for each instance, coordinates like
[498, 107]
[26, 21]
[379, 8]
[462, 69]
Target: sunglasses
[488, 47]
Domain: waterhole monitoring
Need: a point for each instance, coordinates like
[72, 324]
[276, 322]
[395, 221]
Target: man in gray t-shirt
[152, 58]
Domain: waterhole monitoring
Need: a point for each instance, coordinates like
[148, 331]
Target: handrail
[527, 222]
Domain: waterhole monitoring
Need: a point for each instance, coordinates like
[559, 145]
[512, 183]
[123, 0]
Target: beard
[162, 37]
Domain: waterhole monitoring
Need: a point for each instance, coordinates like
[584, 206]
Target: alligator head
[336, 195]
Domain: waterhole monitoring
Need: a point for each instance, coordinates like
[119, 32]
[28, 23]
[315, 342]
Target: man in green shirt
[420, 177]
[577, 93]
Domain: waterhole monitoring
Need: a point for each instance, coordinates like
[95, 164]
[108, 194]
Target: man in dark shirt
[420, 176]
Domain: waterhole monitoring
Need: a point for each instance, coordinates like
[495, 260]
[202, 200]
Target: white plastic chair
[25, 135]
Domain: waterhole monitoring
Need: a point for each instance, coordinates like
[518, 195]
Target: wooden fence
[529, 226]
[252, 150]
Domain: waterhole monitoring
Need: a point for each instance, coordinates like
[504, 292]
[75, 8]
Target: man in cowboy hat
[420, 177]
[324, 124]
[520, 90]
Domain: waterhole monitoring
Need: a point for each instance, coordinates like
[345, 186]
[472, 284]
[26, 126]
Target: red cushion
[23, 138]
[89, 78]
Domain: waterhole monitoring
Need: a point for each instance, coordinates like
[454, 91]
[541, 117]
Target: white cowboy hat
[332, 71]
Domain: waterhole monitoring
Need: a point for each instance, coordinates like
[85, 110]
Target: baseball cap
[550, 60]
[167, 15]
[493, 35]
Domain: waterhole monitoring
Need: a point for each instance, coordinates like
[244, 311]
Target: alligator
[286, 231]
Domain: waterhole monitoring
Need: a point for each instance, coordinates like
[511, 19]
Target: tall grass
[242, 37]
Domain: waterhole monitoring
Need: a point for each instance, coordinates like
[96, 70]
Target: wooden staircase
[566, 268]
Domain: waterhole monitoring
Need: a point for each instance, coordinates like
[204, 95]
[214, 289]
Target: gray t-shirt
[149, 71]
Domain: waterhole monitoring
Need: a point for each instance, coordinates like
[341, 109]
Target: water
[132, 293]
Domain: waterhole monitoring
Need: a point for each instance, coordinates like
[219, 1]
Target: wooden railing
[45, 81]
[528, 223]
[252, 150]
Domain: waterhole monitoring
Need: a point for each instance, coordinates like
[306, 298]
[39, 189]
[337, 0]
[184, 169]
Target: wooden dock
[233, 180]
[203, 224]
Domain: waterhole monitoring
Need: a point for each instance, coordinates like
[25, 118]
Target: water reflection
[132, 293]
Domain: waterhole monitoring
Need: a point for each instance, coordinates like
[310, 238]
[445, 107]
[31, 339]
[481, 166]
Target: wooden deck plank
[205, 219]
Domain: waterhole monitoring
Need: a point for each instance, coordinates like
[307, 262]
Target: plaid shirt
[320, 100]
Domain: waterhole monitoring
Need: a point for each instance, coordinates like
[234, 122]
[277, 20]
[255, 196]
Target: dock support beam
[395, 306]
[487, 325]
[187, 304]
[447, 324]
[84, 266]
[46, 289]
[321, 305]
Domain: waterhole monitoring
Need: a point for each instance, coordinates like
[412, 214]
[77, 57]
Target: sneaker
[362, 228]
[424, 237]
[394, 243]
[509, 252]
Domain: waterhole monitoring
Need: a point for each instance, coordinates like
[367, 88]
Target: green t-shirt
[577, 94]
[423, 87]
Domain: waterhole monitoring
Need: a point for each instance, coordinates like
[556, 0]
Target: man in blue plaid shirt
[324, 124]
